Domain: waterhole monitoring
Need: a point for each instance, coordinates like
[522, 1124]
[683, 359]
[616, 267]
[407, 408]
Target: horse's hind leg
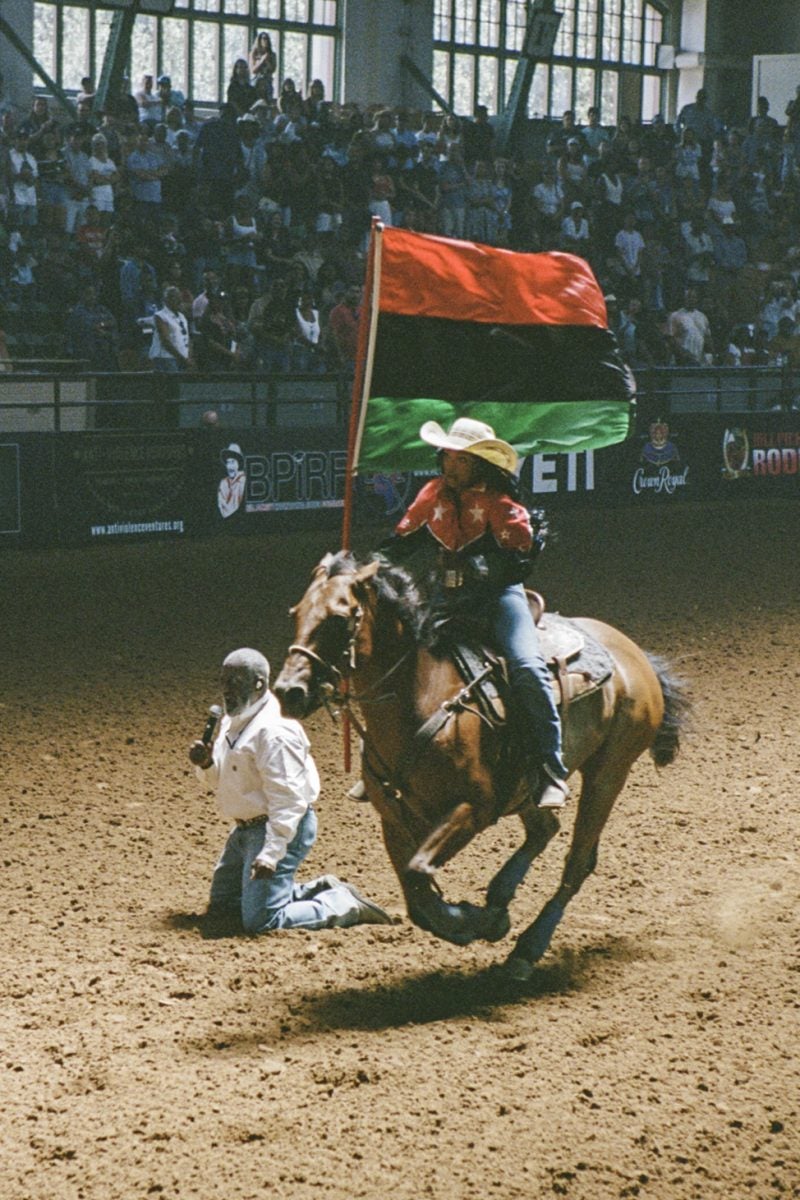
[601, 786]
[541, 825]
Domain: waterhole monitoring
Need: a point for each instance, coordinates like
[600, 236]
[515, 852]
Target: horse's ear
[367, 572]
[322, 567]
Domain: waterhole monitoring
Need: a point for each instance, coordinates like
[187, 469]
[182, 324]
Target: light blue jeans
[277, 903]
[518, 641]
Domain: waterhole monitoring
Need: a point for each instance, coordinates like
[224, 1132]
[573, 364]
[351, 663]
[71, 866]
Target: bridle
[335, 679]
[332, 675]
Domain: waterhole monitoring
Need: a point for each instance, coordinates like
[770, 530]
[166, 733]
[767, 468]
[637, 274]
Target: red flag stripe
[427, 276]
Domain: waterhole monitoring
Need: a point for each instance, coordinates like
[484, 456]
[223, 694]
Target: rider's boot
[554, 793]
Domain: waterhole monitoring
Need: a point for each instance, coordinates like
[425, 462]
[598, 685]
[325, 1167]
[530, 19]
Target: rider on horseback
[486, 547]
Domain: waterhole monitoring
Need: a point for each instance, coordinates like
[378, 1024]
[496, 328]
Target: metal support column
[540, 38]
[57, 92]
[116, 56]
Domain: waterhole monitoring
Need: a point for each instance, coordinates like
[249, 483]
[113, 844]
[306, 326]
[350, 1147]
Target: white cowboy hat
[471, 437]
[232, 451]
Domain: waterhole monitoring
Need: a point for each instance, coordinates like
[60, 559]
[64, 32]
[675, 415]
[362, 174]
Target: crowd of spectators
[154, 238]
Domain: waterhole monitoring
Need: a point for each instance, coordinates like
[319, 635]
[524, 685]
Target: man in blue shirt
[145, 172]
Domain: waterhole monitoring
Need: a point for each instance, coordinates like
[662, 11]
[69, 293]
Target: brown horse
[367, 624]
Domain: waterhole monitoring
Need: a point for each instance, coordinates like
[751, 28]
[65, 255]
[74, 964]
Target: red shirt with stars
[457, 521]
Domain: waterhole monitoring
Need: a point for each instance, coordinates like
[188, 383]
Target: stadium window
[196, 44]
[596, 40]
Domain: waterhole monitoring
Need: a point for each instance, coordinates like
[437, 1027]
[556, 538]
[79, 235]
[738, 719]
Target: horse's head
[331, 634]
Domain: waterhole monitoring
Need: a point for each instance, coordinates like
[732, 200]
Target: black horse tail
[677, 710]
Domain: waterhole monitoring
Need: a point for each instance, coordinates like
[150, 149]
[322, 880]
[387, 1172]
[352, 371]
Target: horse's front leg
[458, 923]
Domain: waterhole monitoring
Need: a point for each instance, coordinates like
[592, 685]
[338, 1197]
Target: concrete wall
[16, 73]
[377, 36]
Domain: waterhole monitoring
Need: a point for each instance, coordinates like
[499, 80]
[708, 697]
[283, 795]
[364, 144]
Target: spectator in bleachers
[218, 158]
[91, 332]
[784, 347]
[690, 332]
[481, 224]
[263, 62]
[216, 345]
[240, 92]
[147, 101]
[23, 180]
[629, 245]
[211, 282]
[478, 137]
[77, 186]
[37, 123]
[343, 327]
[453, 184]
[170, 348]
[688, 156]
[698, 118]
[271, 322]
[145, 170]
[168, 97]
[572, 169]
[103, 177]
[306, 349]
[575, 236]
[52, 178]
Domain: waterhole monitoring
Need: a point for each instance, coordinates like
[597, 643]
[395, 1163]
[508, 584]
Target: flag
[457, 329]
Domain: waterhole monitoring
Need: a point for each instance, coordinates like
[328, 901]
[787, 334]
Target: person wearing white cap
[486, 545]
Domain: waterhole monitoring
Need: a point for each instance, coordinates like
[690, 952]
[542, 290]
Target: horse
[435, 770]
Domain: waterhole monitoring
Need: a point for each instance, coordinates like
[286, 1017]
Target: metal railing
[149, 400]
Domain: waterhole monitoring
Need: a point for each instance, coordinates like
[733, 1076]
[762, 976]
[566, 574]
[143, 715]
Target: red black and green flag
[456, 329]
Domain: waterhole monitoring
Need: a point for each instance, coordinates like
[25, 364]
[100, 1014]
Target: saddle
[578, 664]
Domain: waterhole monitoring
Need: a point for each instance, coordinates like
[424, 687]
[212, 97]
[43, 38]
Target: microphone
[214, 714]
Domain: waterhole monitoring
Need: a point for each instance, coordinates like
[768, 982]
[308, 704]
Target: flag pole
[365, 353]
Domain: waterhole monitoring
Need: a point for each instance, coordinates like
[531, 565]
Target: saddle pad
[588, 663]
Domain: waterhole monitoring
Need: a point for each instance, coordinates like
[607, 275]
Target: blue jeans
[277, 903]
[516, 638]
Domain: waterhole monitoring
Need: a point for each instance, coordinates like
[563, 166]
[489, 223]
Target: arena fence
[89, 458]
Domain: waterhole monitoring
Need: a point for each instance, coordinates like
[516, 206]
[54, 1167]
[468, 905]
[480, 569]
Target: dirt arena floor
[656, 1052]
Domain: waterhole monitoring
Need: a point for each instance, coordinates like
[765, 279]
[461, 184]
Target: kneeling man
[267, 782]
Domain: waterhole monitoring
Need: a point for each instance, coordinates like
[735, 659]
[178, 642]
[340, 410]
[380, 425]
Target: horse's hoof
[498, 923]
[517, 969]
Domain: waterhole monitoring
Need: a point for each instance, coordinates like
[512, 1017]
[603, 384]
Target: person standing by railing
[170, 347]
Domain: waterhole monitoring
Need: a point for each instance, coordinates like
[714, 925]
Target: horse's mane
[397, 589]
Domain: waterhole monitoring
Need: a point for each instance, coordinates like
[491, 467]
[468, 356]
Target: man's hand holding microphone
[201, 751]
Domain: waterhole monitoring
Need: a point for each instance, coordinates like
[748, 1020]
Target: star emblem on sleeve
[477, 513]
[438, 513]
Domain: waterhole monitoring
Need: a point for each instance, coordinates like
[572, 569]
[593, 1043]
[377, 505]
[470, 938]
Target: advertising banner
[81, 487]
[125, 485]
[27, 490]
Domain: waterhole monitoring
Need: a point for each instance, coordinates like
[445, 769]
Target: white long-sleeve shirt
[263, 767]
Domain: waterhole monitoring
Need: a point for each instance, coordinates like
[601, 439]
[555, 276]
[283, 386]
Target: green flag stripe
[390, 439]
